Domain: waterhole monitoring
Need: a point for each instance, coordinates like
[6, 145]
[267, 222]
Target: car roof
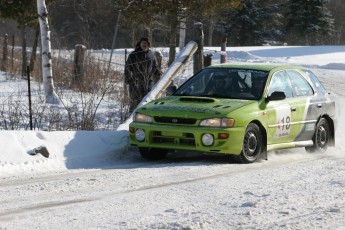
[256, 66]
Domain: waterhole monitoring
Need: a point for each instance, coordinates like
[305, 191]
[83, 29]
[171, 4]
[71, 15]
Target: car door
[303, 93]
[284, 116]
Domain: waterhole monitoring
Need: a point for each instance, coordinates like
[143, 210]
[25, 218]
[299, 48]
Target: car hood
[192, 107]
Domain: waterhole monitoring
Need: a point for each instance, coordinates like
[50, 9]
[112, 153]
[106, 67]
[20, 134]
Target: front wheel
[320, 138]
[153, 153]
[252, 145]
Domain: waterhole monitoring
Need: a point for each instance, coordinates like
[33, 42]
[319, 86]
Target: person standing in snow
[140, 70]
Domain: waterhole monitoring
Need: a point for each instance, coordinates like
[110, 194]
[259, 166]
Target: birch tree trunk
[47, 72]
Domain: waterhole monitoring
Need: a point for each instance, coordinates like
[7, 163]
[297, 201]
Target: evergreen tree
[208, 12]
[166, 15]
[309, 22]
[25, 14]
[337, 8]
[253, 23]
[87, 22]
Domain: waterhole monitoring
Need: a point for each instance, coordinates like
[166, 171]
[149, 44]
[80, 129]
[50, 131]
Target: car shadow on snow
[174, 159]
[110, 150]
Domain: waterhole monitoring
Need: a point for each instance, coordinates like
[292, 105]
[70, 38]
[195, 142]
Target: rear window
[315, 81]
[300, 86]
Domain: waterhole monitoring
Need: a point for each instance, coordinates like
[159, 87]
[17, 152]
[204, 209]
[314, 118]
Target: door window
[281, 83]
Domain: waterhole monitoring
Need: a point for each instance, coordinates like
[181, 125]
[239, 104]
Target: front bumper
[187, 138]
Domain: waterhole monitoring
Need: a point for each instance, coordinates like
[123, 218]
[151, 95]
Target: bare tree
[47, 72]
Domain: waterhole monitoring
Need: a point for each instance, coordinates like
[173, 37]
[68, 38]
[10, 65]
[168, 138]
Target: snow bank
[67, 150]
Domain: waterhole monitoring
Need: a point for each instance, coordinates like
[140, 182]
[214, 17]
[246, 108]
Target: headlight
[139, 117]
[218, 122]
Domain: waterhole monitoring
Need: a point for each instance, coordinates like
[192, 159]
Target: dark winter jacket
[140, 68]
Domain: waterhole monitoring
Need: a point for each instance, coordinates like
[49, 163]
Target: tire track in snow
[9, 214]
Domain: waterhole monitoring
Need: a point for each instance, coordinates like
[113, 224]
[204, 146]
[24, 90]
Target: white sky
[95, 180]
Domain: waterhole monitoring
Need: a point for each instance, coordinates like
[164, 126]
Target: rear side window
[315, 81]
[300, 86]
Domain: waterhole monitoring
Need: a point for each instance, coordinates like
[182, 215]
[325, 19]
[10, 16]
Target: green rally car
[240, 109]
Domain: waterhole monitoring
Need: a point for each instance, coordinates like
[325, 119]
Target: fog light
[223, 135]
[131, 129]
[140, 135]
[207, 139]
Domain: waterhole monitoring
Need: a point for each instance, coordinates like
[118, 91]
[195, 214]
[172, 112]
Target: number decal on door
[283, 121]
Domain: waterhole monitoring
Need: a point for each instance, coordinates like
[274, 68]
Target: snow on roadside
[67, 150]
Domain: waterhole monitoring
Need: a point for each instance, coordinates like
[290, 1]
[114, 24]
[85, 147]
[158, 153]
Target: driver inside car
[257, 86]
[219, 86]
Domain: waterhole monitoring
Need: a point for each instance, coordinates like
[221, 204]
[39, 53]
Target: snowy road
[298, 191]
[292, 190]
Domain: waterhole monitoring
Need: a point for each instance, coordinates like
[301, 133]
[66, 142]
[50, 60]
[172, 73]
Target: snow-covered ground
[94, 180]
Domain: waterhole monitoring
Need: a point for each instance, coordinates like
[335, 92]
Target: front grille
[175, 120]
[173, 138]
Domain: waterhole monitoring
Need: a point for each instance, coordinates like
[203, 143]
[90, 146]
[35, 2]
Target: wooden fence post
[159, 58]
[29, 95]
[78, 67]
[24, 54]
[198, 56]
[34, 50]
[5, 54]
[223, 55]
[208, 60]
[12, 54]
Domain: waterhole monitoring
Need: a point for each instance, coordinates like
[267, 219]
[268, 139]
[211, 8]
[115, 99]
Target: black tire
[320, 138]
[252, 145]
[153, 154]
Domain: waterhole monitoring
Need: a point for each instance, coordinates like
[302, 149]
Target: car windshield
[225, 83]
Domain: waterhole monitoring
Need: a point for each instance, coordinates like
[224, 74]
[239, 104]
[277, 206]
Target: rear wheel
[320, 138]
[252, 145]
[153, 153]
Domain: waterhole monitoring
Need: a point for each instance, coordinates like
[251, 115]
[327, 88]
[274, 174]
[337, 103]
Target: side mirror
[171, 89]
[276, 96]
